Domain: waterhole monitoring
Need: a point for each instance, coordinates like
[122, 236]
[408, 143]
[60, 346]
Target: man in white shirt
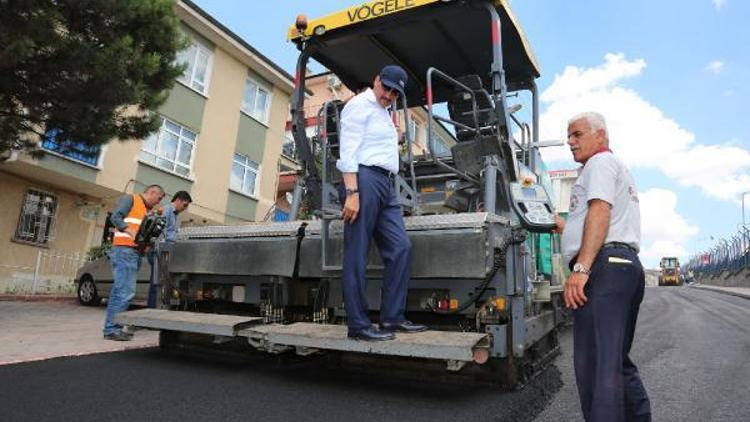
[369, 161]
[600, 241]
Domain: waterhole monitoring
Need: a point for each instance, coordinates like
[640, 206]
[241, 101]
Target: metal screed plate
[443, 345]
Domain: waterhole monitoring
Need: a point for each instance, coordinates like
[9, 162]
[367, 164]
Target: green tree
[92, 69]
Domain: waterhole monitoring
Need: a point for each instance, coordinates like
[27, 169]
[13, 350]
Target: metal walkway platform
[189, 322]
[471, 221]
[475, 220]
[456, 348]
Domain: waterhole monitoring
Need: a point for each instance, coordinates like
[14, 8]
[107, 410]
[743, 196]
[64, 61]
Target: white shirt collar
[370, 95]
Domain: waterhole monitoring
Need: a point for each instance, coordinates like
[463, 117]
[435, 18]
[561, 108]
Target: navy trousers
[609, 386]
[380, 218]
[153, 285]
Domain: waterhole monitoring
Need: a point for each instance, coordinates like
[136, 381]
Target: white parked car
[94, 281]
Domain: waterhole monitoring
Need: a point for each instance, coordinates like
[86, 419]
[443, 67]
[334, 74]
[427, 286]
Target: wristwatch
[351, 191]
[579, 268]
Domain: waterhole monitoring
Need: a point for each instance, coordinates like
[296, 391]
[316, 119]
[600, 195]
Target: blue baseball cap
[394, 76]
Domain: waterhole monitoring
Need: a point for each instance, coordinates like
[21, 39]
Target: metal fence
[731, 254]
[50, 272]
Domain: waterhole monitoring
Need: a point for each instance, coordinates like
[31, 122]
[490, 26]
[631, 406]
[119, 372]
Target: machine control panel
[533, 206]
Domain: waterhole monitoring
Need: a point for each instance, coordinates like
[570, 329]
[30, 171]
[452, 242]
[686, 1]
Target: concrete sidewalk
[743, 292]
[43, 330]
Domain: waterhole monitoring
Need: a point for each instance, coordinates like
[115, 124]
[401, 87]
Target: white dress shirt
[368, 135]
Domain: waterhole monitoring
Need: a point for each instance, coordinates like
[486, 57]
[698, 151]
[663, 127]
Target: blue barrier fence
[731, 254]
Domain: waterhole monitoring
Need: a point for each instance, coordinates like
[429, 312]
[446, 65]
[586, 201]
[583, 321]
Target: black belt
[608, 245]
[380, 170]
[619, 245]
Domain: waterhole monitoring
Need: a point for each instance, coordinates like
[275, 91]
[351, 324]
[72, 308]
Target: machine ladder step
[189, 322]
[456, 348]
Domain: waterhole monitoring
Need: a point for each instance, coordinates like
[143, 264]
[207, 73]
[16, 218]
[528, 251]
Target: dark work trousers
[609, 386]
[153, 285]
[380, 218]
[153, 258]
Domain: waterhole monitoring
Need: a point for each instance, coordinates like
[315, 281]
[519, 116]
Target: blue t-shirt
[170, 232]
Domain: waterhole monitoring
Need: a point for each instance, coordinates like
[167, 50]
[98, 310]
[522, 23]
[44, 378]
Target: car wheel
[87, 293]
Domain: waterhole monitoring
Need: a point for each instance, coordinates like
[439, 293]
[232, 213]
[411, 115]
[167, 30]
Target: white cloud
[718, 4]
[715, 67]
[640, 133]
[721, 170]
[664, 232]
[574, 80]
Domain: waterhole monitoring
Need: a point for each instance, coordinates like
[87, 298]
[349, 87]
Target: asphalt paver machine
[277, 285]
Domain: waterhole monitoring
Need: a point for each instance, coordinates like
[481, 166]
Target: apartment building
[562, 184]
[220, 139]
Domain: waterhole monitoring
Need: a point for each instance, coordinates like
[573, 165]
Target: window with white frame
[171, 148]
[36, 222]
[288, 147]
[245, 173]
[198, 60]
[413, 129]
[256, 101]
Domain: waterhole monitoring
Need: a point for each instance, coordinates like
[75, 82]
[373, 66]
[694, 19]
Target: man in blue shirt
[180, 201]
[369, 161]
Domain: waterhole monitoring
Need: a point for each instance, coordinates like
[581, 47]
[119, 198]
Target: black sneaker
[118, 336]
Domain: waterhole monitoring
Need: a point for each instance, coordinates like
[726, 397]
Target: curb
[724, 291]
[37, 298]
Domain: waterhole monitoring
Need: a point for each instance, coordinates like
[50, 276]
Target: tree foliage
[92, 69]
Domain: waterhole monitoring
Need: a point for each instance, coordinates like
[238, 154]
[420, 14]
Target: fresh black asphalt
[692, 347]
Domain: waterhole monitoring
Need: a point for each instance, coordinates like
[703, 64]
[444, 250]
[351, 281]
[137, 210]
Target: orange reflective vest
[134, 218]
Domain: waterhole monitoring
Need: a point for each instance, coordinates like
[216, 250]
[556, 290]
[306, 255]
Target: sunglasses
[388, 89]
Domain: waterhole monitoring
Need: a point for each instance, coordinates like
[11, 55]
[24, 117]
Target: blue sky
[670, 76]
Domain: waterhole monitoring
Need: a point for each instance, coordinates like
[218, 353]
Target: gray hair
[596, 120]
[149, 187]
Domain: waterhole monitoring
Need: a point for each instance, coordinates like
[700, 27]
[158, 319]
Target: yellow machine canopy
[452, 36]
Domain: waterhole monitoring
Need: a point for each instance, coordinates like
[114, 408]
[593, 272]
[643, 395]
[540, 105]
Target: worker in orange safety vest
[125, 254]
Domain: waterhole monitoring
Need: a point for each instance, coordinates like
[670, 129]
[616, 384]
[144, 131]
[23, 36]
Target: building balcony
[78, 151]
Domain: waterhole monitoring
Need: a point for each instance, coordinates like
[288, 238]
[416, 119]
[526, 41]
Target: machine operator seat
[460, 107]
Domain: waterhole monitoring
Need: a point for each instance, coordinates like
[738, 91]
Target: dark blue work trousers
[380, 218]
[609, 386]
[153, 259]
[153, 285]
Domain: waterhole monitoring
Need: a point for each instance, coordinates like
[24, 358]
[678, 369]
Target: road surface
[692, 347]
